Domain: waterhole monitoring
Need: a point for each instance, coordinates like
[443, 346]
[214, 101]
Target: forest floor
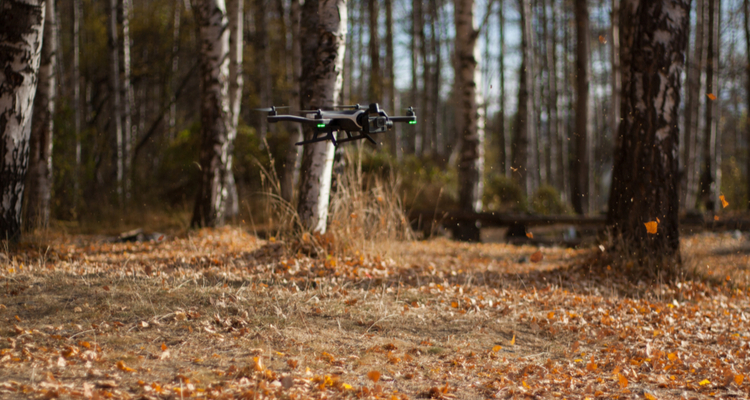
[223, 314]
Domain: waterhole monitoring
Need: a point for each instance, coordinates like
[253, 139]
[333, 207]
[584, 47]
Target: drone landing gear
[362, 135]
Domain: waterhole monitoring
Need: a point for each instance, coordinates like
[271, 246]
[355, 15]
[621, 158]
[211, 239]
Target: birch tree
[746, 28]
[323, 42]
[262, 44]
[469, 121]
[692, 108]
[21, 35]
[114, 60]
[128, 99]
[235, 9]
[292, 159]
[645, 181]
[39, 175]
[216, 117]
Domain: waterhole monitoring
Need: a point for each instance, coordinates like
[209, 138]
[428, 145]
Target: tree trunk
[176, 20]
[264, 63]
[235, 11]
[469, 123]
[614, 112]
[504, 134]
[77, 101]
[293, 155]
[746, 11]
[554, 134]
[524, 125]
[21, 35]
[39, 175]
[376, 83]
[127, 90]
[692, 109]
[580, 184]
[114, 59]
[394, 139]
[216, 116]
[323, 42]
[708, 175]
[645, 177]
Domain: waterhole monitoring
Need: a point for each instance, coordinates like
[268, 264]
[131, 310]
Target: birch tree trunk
[216, 116]
[293, 155]
[645, 179]
[692, 109]
[235, 10]
[554, 134]
[127, 90]
[469, 121]
[580, 184]
[114, 59]
[323, 42]
[176, 20]
[505, 136]
[524, 127]
[21, 35]
[39, 175]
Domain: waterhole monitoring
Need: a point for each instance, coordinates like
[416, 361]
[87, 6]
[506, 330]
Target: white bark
[127, 89]
[114, 59]
[322, 44]
[20, 56]
[235, 9]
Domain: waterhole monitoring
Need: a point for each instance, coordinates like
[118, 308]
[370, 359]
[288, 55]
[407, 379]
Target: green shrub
[547, 201]
[503, 194]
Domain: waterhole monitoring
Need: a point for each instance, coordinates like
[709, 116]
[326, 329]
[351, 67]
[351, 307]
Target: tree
[128, 98]
[710, 181]
[39, 175]
[235, 9]
[524, 124]
[292, 160]
[692, 108]
[114, 59]
[580, 175]
[262, 44]
[469, 124]
[645, 180]
[216, 118]
[21, 38]
[746, 26]
[322, 43]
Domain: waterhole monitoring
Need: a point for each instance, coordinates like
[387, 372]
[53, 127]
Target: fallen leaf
[704, 382]
[374, 376]
[602, 39]
[651, 227]
[513, 341]
[536, 257]
[163, 347]
[622, 380]
[716, 217]
[496, 348]
[738, 379]
[529, 235]
[711, 96]
[121, 366]
[649, 396]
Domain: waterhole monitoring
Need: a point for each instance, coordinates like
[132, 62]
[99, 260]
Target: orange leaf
[454, 304]
[724, 202]
[513, 341]
[651, 227]
[704, 382]
[551, 315]
[529, 235]
[711, 96]
[622, 380]
[592, 365]
[672, 356]
[121, 366]
[497, 348]
[649, 396]
[536, 257]
[525, 385]
[716, 217]
[738, 379]
[602, 39]
[163, 347]
[374, 376]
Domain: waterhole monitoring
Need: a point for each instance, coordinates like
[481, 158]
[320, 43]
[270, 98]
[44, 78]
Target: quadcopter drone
[364, 121]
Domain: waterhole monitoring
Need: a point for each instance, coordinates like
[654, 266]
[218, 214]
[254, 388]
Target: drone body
[363, 121]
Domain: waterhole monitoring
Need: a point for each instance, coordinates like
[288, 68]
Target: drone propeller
[349, 107]
[269, 109]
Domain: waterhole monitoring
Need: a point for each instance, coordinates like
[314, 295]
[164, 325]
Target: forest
[379, 199]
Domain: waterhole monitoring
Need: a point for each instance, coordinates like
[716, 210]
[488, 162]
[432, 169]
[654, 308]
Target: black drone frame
[366, 121]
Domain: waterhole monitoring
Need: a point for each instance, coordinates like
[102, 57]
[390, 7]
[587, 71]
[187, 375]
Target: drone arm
[404, 119]
[294, 118]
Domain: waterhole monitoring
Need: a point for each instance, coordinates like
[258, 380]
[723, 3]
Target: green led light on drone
[321, 125]
[412, 122]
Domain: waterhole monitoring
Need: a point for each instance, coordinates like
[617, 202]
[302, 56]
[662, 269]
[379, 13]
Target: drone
[364, 121]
